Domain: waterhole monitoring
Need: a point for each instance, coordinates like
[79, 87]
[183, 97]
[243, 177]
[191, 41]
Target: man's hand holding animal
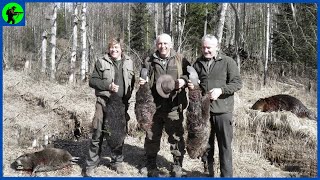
[142, 81]
[190, 85]
[179, 83]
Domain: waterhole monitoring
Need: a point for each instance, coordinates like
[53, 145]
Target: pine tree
[140, 28]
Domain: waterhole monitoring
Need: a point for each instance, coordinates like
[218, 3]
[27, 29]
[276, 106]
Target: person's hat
[165, 85]
[13, 7]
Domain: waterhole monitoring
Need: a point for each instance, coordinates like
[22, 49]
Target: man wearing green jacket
[113, 73]
[219, 76]
[169, 109]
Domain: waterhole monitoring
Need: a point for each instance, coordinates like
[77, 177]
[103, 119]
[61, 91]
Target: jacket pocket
[106, 71]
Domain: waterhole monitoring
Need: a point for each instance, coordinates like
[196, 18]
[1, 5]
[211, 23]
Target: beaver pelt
[198, 124]
[283, 102]
[114, 122]
[48, 159]
[145, 107]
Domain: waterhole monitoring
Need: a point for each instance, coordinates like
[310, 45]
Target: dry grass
[275, 135]
[256, 134]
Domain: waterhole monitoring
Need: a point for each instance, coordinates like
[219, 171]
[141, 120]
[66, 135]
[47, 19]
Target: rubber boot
[177, 167]
[150, 169]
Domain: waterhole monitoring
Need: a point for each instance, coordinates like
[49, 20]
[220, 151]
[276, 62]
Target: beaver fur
[48, 159]
[284, 102]
[145, 107]
[198, 124]
[114, 122]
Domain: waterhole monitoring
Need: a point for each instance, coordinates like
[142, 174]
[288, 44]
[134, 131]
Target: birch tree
[181, 23]
[84, 62]
[222, 17]
[44, 52]
[129, 28]
[156, 19]
[53, 41]
[267, 44]
[171, 23]
[74, 45]
[206, 20]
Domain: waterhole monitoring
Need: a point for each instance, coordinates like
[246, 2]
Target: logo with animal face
[12, 13]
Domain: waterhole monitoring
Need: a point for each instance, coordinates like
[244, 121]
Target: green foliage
[295, 39]
[196, 16]
[141, 28]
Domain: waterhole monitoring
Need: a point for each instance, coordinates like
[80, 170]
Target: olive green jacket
[104, 72]
[177, 99]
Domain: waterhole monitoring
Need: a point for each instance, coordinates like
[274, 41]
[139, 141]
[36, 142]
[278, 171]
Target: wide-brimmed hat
[165, 85]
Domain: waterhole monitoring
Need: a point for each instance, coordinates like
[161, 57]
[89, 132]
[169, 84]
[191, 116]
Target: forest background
[46, 65]
[63, 40]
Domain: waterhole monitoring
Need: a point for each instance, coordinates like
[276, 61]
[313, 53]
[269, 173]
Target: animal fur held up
[198, 124]
[115, 123]
[145, 107]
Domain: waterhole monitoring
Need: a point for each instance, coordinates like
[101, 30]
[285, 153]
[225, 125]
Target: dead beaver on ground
[283, 102]
[49, 159]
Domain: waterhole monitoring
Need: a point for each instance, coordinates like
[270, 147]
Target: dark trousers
[98, 138]
[172, 124]
[221, 127]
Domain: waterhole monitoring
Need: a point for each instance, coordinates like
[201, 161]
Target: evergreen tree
[196, 16]
[141, 29]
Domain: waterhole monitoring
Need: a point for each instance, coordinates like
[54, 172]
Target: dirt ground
[33, 109]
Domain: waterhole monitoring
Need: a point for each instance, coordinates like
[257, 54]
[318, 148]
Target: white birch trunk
[84, 62]
[267, 44]
[129, 28]
[181, 24]
[221, 22]
[44, 52]
[171, 26]
[74, 45]
[53, 42]
[206, 21]
[156, 19]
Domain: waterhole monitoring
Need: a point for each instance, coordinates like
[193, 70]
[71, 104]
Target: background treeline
[61, 41]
